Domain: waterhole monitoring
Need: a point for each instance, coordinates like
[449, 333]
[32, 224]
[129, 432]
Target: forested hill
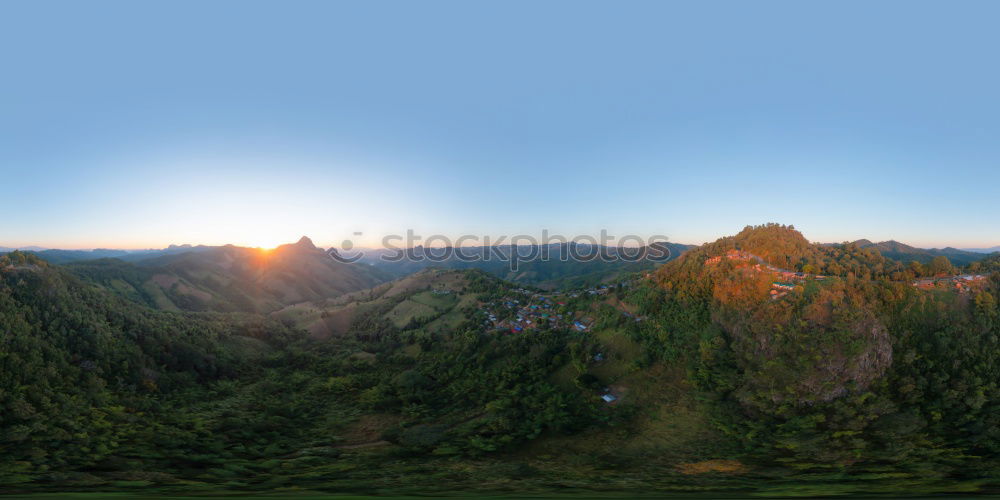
[231, 278]
[79, 367]
[990, 264]
[785, 247]
[848, 370]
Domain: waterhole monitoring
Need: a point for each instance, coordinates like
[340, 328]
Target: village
[524, 310]
[787, 280]
[961, 284]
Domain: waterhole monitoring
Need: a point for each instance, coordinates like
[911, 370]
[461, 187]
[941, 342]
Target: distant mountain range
[983, 250]
[227, 278]
[222, 278]
[26, 249]
[902, 252]
[56, 256]
[550, 272]
[890, 249]
[230, 278]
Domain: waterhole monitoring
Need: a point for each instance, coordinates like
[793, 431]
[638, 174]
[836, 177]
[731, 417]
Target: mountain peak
[305, 242]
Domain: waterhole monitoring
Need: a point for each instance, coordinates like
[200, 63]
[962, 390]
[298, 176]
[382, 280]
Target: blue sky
[139, 124]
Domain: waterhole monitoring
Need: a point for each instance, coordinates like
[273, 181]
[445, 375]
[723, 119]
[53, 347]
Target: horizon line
[39, 248]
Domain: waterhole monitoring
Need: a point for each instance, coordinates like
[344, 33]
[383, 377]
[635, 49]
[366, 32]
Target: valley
[690, 377]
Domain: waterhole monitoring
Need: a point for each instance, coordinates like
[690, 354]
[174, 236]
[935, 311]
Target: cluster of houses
[780, 289]
[526, 310]
[601, 290]
[635, 317]
[530, 310]
[794, 276]
[786, 280]
[962, 283]
[731, 255]
[783, 274]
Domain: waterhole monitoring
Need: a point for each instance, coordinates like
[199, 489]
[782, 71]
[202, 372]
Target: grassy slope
[328, 318]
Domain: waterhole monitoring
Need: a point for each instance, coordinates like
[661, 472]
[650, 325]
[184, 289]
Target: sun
[266, 244]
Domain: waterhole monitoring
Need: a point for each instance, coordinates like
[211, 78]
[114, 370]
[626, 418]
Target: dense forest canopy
[757, 363]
